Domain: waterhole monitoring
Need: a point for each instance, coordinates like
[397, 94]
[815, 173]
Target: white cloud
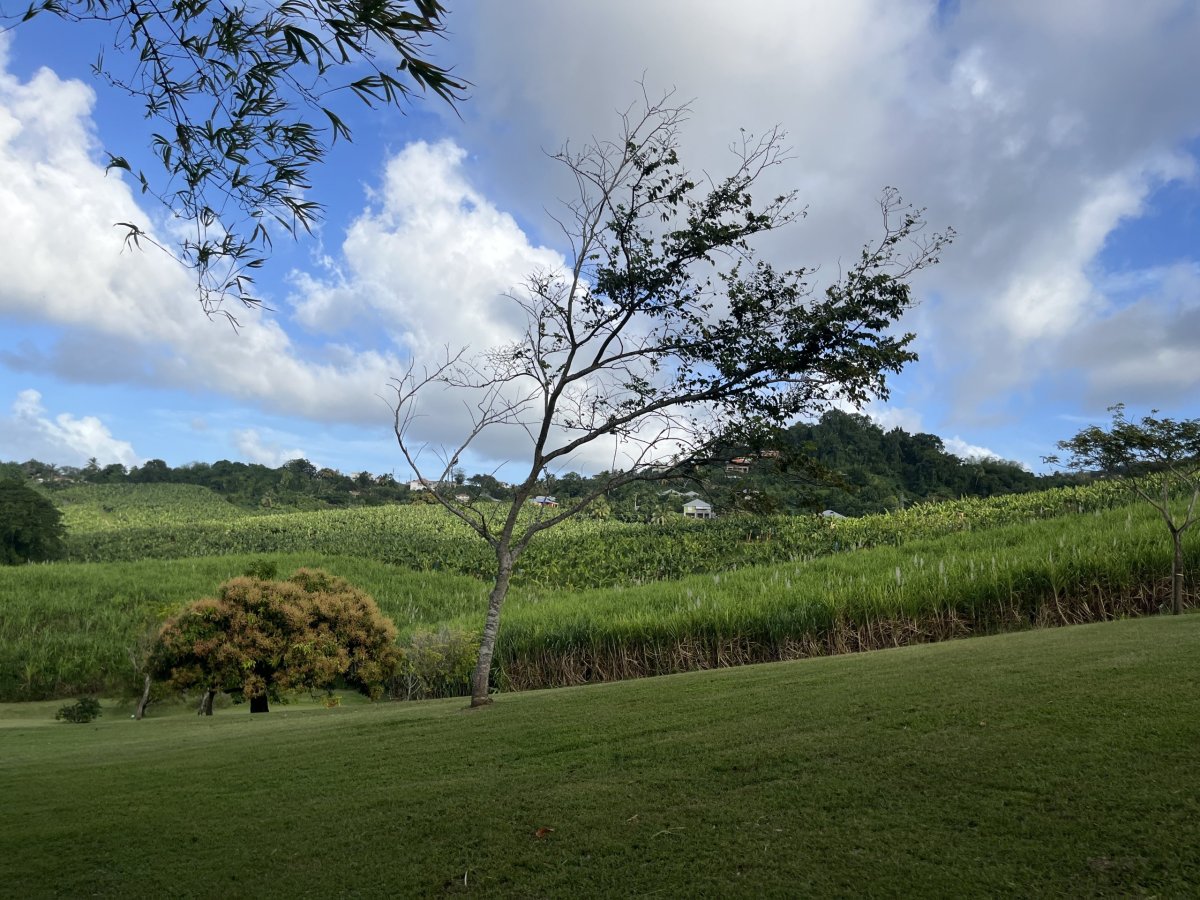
[430, 262]
[1145, 351]
[964, 450]
[424, 267]
[31, 433]
[129, 316]
[269, 453]
[889, 417]
[1034, 129]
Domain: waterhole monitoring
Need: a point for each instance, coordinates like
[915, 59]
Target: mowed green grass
[1058, 762]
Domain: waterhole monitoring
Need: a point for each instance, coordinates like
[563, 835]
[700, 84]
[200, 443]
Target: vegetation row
[875, 471]
[71, 629]
[577, 554]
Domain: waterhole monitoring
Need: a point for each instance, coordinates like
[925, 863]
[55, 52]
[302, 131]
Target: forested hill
[883, 470]
[843, 462]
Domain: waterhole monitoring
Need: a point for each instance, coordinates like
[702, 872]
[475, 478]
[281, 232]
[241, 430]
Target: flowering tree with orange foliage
[258, 638]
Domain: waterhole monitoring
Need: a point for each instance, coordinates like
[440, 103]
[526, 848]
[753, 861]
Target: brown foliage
[259, 637]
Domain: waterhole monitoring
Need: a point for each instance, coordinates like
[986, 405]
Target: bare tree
[667, 335]
[1159, 459]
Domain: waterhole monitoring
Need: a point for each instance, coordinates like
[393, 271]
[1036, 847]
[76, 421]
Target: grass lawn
[1055, 762]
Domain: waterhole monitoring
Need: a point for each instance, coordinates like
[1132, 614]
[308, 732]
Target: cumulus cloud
[1034, 129]
[429, 262]
[1145, 351]
[968, 451]
[425, 266]
[31, 433]
[126, 316]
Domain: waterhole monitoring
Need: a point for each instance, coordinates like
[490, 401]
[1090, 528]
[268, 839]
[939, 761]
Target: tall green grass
[1073, 569]
[104, 507]
[74, 628]
[68, 628]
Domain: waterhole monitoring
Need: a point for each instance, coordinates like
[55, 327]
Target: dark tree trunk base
[145, 701]
[206, 704]
[259, 704]
[477, 702]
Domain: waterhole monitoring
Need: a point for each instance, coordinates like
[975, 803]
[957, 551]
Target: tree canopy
[31, 528]
[666, 334]
[866, 470]
[245, 98]
[258, 637]
[1159, 459]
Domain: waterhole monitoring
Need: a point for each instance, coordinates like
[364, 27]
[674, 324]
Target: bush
[264, 569]
[80, 712]
[437, 664]
[31, 527]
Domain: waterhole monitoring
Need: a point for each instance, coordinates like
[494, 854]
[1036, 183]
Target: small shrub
[263, 569]
[80, 712]
[437, 664]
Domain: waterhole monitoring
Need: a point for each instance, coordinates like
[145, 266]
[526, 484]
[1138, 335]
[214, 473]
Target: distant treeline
[844, 462]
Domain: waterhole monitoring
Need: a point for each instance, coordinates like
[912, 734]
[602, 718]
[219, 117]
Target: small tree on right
[1159, 459]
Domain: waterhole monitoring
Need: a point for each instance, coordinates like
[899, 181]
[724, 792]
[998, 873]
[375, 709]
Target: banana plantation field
[137, 522]
[671, 598]
[117, 507]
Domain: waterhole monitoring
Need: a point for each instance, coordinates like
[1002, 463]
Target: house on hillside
[697, 509]
[832, 514]
[422, 484]
[543, 501]
[739, 465]
[685, 495]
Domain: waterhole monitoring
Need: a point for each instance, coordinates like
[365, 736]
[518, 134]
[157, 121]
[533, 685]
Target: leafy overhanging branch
[236, 87]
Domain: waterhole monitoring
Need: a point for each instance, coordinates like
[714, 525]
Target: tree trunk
[1177, 574]
[491, 628]
[259, 704]
[145, 701]
[206, 703]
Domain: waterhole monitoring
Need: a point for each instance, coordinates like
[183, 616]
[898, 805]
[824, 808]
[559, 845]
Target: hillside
[1057, 763]
[844, 462]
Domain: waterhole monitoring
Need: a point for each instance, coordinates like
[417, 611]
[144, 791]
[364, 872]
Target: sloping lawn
[1055, 762]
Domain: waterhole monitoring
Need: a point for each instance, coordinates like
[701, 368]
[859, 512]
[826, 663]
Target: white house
[698, 509]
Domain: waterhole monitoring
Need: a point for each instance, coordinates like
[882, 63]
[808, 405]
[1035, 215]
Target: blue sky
[1060, 141]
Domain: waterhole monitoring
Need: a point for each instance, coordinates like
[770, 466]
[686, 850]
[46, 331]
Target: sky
[1060, 141]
